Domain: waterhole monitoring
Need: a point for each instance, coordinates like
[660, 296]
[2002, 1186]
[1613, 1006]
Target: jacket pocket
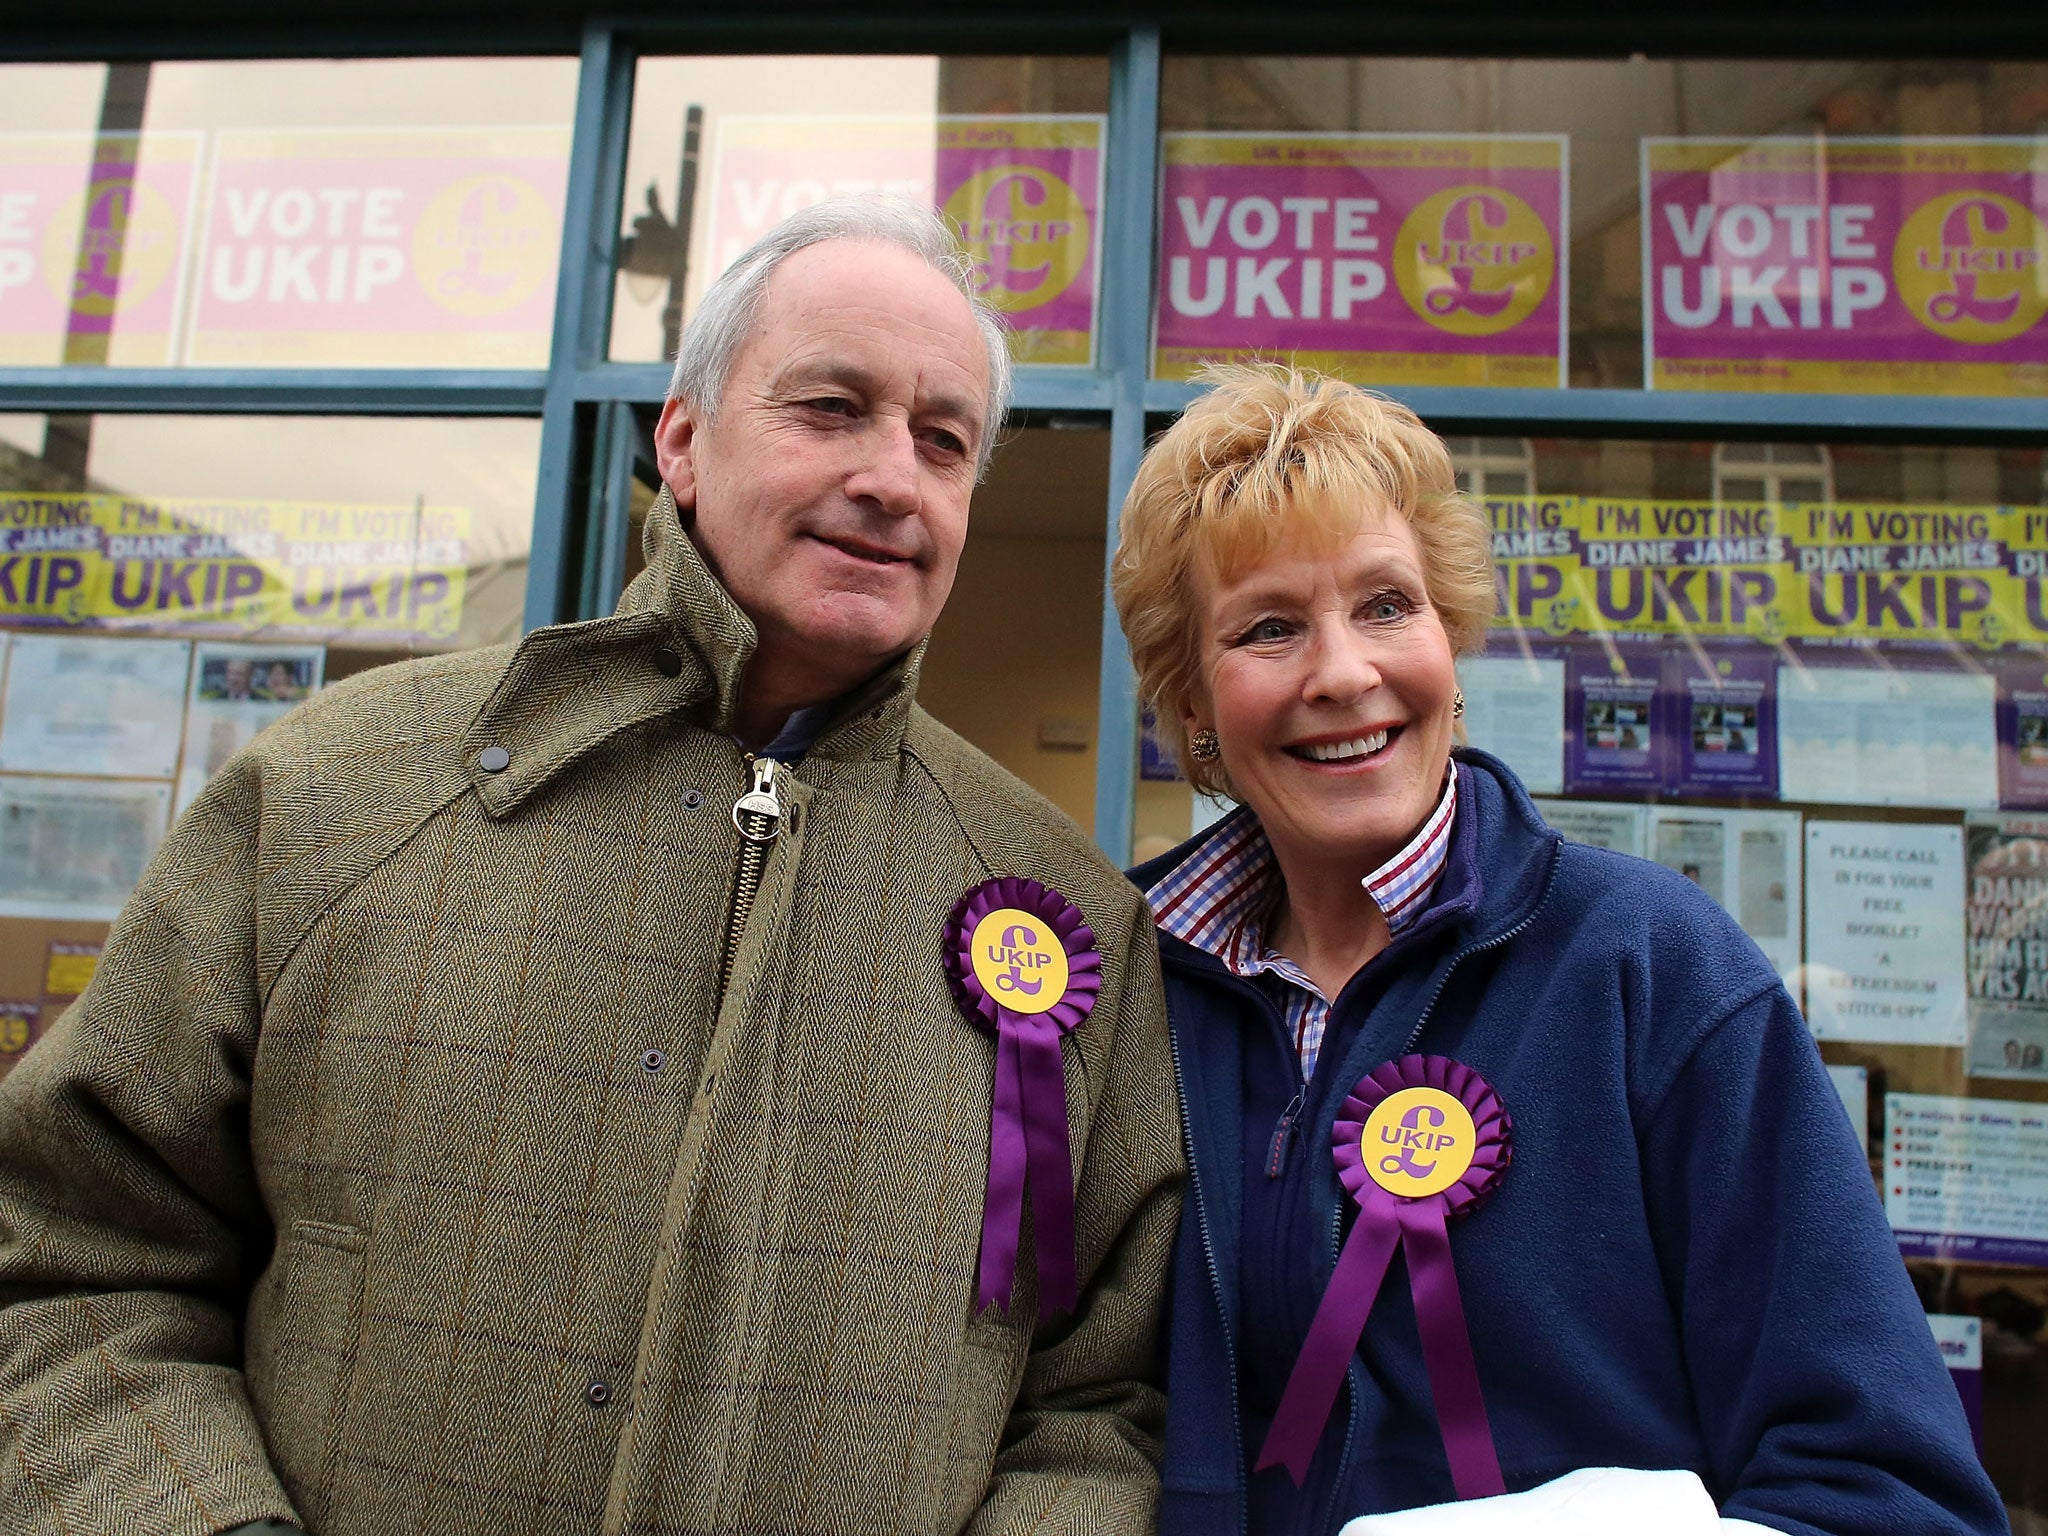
[304, 1325]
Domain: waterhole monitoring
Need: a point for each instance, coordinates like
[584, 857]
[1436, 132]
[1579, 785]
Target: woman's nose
[1341, 665]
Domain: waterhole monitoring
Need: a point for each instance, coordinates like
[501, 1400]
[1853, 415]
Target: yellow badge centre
[1418, 1142]
[1020, 961]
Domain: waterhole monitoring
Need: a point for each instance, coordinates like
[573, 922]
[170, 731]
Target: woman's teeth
[1340, 751]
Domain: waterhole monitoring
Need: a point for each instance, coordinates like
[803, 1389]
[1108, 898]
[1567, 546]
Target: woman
[1663, 1248]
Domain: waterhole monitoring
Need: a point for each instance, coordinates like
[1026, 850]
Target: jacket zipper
[758, 816]
[1415, 1034]
[1187, 1139]
[1283, 1131]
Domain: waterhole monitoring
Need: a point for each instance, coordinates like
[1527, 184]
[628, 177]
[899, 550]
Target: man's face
[830, 492]
[238, 675]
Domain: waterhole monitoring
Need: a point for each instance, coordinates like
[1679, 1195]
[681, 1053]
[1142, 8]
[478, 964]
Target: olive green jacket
[401, 1170]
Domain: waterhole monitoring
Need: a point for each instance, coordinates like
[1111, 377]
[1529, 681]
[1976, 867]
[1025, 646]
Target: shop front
[1739, 334]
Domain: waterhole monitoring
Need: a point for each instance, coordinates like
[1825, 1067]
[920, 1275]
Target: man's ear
[675, 450]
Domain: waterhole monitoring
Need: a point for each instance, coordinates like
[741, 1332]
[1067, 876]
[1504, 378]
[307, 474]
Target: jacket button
[597, 1394]
[653, 1061]
[691, 799]
[494, 759]
[667, 662]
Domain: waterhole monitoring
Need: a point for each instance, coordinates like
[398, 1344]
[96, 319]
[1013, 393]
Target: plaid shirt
[1222, 897]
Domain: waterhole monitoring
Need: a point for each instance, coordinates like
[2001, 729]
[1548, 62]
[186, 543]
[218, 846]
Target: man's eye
[836, 405]
[945, 442]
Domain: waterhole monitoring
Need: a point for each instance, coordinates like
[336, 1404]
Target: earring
[1458, 705]
[1203, 746]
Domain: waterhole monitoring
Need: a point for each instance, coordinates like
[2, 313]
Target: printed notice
[1884, 932]
[1748, 861]
[75, 848]
[1960, 1339]
[1852, 1086]
[1624, 828]
[1617, 719]
[94, 706]
[1513, 706]
[237, 690]
[1967, 1178]
[2008, 931]
[1868, 737]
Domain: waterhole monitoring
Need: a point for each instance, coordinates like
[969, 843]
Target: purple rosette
[1388, 1221]
[1028, 1136]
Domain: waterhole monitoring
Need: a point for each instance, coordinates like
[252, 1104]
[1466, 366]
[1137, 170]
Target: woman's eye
[1265, 631]
[1386, 609]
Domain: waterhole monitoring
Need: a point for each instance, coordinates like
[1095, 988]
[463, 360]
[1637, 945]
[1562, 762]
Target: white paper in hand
[1593, 1501]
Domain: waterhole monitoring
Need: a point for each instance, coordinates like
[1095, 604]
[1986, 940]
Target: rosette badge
[1418, 1142]
[1022, 963]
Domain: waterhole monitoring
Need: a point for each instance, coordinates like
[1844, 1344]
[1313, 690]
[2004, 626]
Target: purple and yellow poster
[1023, 193]
[1617, 720]
[1863, 266]
[93, 237]
[368, 248]
[1727, 706]
[1389, 258]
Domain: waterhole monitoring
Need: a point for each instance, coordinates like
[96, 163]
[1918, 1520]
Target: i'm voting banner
[1845, 265]
[1392, 258]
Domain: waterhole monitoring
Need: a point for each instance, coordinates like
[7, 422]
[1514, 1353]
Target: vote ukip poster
[94, 233]
[380, 248]
[1023, 193]
[1845, 265]
[389, 575]
[1394, 259]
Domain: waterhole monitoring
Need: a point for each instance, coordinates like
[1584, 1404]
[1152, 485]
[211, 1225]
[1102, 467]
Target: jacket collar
[570, 687]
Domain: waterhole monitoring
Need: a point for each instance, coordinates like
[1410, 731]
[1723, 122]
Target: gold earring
[1203, 746]
[1458, 705]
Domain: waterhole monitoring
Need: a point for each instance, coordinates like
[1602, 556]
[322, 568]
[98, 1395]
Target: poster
[1884, 932]
[1023, 193]
[236, 691]
[1681, 568]
[1898, 572]
[1967, 1178]
[1398, 259]
[1623, 828]
[94, 232]
[1844, 266]
[20, 1028]
[2007, 924]
[370, 575]
[1535, 553]
[80, 705]
[74, 848]
[2023, 731]
[1865, 736]
[1617, 722]
[348, 247]
[1513, 706]
[1727, 731]
[1156, 762]
[1748, 861]
[1852, 1086]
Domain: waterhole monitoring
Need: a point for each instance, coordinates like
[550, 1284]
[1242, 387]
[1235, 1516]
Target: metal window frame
[585, 403]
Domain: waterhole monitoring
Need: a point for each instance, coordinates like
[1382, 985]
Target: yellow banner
[391, 574]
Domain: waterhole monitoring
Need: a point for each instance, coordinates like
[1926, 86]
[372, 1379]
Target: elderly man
[527, 1092]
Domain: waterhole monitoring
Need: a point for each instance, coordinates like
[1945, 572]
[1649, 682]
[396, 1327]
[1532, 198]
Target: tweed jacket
[403, 1170]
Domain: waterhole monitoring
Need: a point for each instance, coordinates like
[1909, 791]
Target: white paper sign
[1869, 737]
[1748, 861]
[93, 705]
[1599, 823]
[1884, 932]
[74, 848]
[1967, 1178]
[1853, 1085]
[1514, 708]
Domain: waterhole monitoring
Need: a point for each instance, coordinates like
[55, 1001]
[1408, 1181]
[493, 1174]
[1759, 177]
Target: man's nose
[887, 472]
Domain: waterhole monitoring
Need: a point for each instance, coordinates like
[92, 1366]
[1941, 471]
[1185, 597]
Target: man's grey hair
[711, 342]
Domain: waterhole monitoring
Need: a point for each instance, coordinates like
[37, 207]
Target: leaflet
[1624, 828]
[1512, 708]
[1865, 736]
[83, 705]
[1748, 861]
[1852, 1084]
[1618, 728]
[75, 848]
[1884, 932]
[237, 690]
[1967, 1178]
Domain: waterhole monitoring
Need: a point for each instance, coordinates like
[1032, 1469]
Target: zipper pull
[1276, 1159]
[758, 812]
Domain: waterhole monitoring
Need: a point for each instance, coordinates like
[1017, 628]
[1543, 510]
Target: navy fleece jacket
[1685, 1267]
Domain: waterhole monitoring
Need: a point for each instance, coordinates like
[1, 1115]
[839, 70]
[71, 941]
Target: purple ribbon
[1418, 1226]
[1028, 1136]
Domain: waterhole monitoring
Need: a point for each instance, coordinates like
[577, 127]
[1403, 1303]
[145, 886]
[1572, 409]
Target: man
[508, 1104]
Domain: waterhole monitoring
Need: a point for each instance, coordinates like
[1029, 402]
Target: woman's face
[1328, 680]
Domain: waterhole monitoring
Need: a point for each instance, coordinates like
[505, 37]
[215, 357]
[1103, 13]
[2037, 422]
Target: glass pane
[1816, 225]
[1010, 148]
[288, 213]
[169, 585]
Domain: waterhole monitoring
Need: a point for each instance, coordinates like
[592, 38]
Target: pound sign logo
[1474, 261]
[1418, 1142]
[1969, 267]
[1019, 961]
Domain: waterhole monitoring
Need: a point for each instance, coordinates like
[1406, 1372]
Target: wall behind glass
[283, 213]
[1009, 147]
[182, 590]
[1817, 225]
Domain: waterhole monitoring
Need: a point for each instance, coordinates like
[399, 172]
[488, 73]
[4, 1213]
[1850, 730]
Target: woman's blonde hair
[1273, 454]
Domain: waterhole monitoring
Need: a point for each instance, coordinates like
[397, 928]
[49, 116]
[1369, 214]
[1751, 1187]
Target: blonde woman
[1510, 1157]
